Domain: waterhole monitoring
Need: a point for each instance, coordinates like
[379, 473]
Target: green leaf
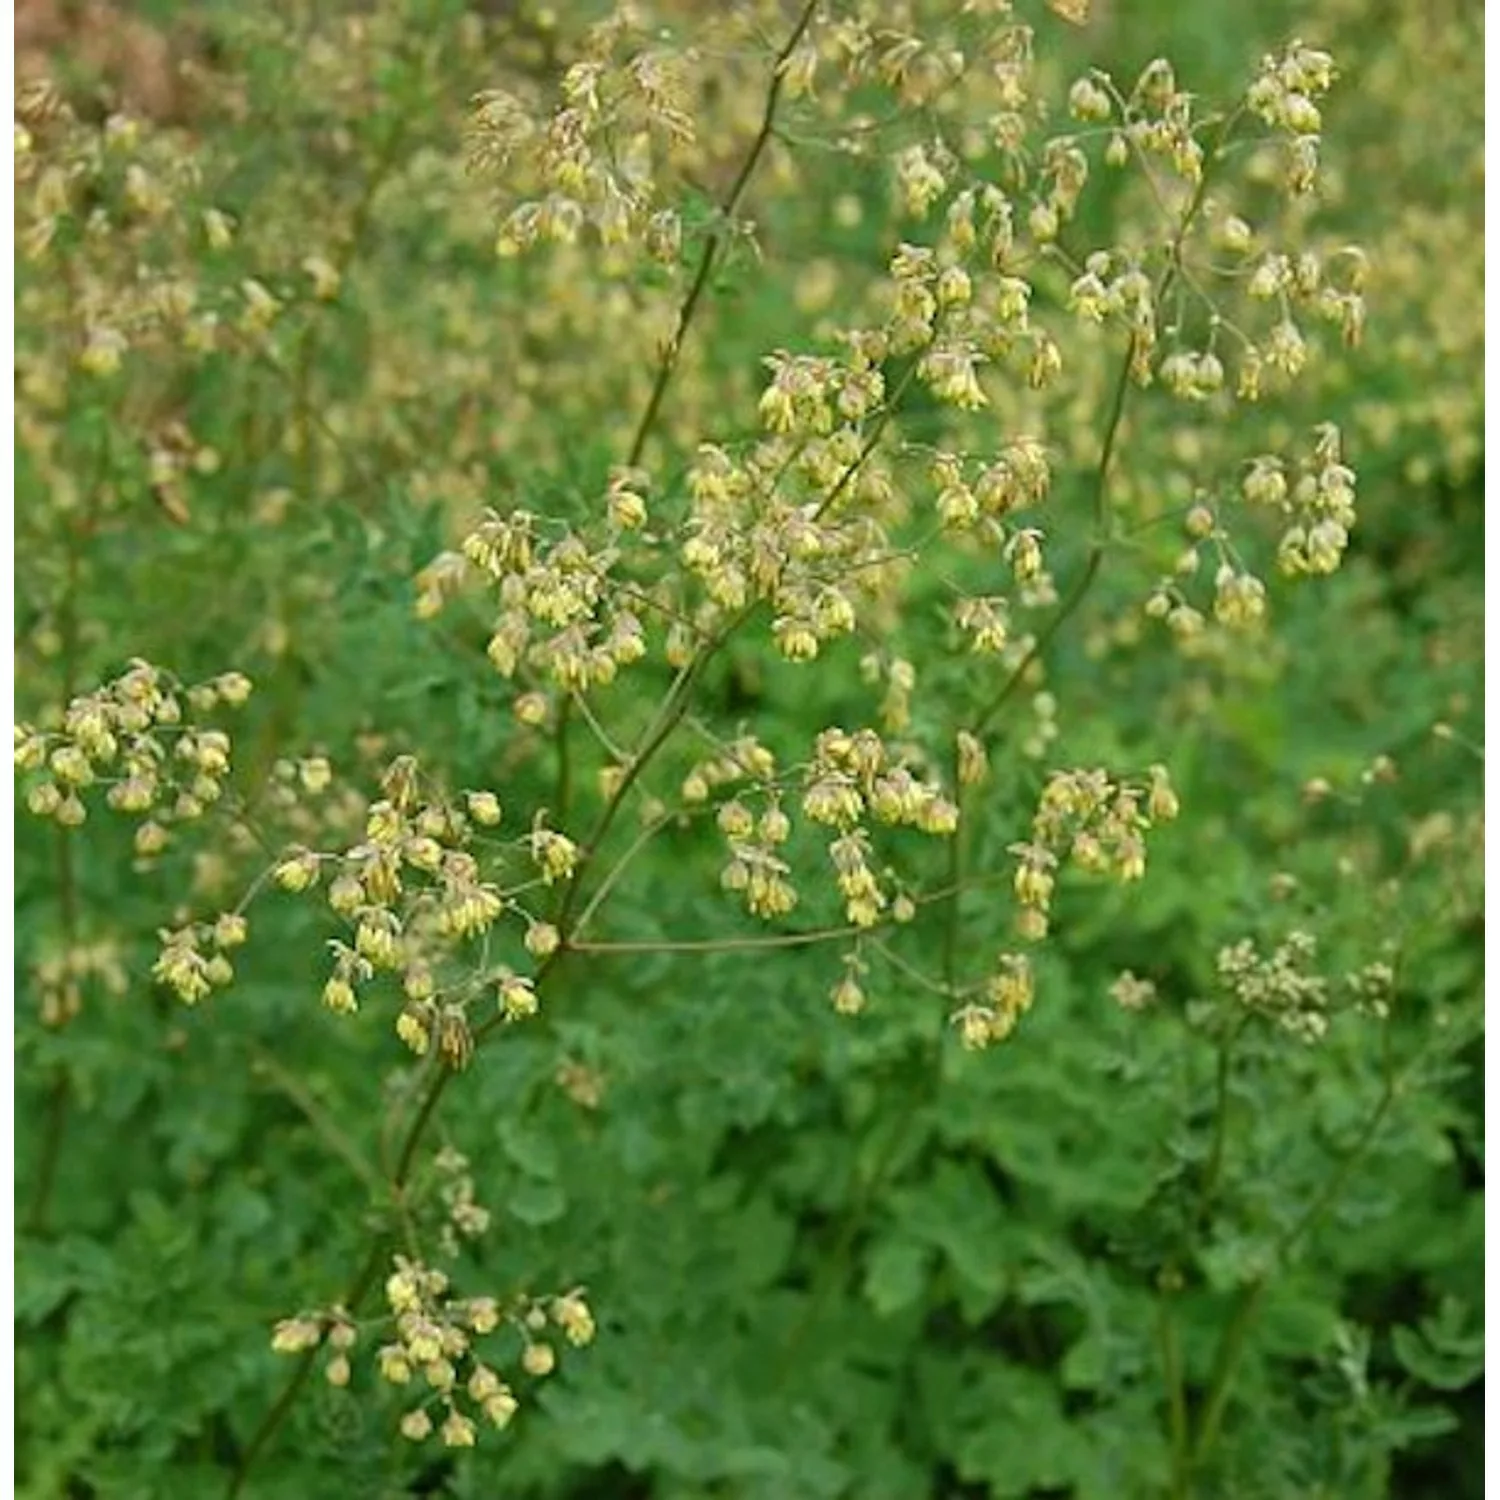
[530, 1148]
[1441, 1353]
[896, 1274]
[537, 1203]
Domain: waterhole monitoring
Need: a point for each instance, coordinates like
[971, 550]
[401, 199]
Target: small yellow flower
[150, 838]
[571, 1314]
[501, 1407]
[531, 709]
[324, 276]
[416, 1425]
[295, 1335]
[483, 1314]
[518, 998]
[102, 352]
[316, 774]
[339, 996]
[1161, 804]
[218, 229]
[484, 808]
[542, 939]
[554, 853]
[403, 1292]
[231, 930]
[424, 1341]
[458, 1431]
[848, 998]
[297, 871]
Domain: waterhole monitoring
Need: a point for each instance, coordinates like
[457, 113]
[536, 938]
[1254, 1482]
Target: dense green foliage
[1163, 1243]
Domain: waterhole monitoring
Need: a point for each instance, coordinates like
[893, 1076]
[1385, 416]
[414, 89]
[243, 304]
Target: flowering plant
[825, 497]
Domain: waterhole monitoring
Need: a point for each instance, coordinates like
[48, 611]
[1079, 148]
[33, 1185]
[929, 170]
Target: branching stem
[1233, 1341]
[715, 241]
[670, 715]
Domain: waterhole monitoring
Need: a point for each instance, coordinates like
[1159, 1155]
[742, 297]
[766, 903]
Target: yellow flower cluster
[1095, 823]
[133, 737]
[587, 630]
[1285, 95]
[1315, 496]
[855, 777]
[434, 1342]
[1007, 996]
[194, 960]
[413, 892]
[62, 977]
[467, 1218]
[1280, 984]
[605, 157]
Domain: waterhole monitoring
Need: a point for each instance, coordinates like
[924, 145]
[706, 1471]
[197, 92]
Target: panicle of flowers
[1156, 120]
[413, 894]
[467, 1219]
[1281, 984]
[820, 555]
[607, 155]
[1016, 478]
[432, 1348]
[62, 977]
[1285, 96]
[141, 738]
[1006, 996]
[757, 529]
[560, 612]
[1318, 499]
[1278, 984]
[1093, 822]
[854, 780]
[194, 959]
[1314, 495]
[754, 870]
[1223, 273]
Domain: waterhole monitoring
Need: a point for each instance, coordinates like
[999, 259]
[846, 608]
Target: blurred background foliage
[828, 1257]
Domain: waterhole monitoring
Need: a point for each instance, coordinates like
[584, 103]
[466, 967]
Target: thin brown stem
[562, 796]
[59, 1097]
[1234, 1340]
[956, 852]
[1223, 1075]
[715, 241]
[911, 971]
[721, 945]
[615, 753]
[284, 1402]
[1085, 580]
[616, 870]
[872, 438]
[1172, 1378]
